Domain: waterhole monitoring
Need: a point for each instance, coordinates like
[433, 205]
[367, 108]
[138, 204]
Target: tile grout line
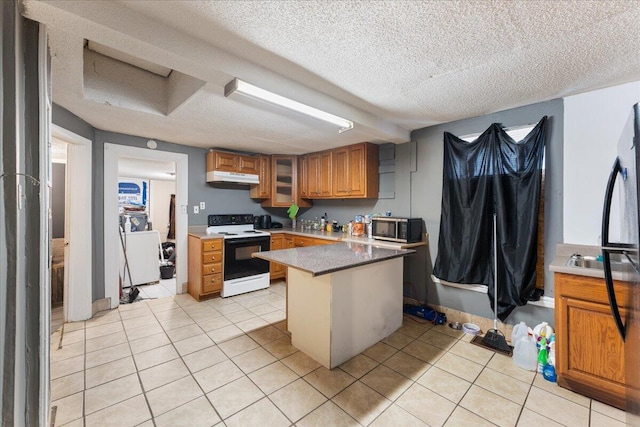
[133, 359]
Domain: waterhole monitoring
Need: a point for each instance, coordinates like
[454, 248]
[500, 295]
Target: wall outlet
[202, 206]
[196, 209]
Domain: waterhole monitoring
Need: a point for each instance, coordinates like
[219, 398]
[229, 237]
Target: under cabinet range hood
[235, 177]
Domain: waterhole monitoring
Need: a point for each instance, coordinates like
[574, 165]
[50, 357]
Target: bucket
[167, 271]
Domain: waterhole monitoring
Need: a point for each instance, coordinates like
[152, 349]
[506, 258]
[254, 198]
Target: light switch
[201, 205]
[183, 209]
[196, 209]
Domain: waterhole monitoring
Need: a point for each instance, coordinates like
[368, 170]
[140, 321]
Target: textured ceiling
[390, 66]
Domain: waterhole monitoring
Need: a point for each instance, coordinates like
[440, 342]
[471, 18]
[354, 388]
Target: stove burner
[226, 233]
[252, 231]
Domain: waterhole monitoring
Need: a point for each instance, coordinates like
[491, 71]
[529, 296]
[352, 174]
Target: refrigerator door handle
[608, 277]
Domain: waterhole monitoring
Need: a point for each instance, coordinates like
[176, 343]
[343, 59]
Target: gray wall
[426, 196]
[219, 199]
[57, 199]
[69, 121]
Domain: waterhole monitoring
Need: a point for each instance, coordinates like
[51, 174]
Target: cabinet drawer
[215, 268]
[211, 257]
[212, 245]
[211, 283]
[302, 241]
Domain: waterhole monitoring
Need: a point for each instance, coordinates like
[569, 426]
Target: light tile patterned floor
[173, 361]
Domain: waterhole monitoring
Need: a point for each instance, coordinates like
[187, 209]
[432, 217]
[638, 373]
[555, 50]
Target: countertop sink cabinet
[205, 267]
[590, 352]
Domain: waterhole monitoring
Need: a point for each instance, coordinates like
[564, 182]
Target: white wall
[593, 124]
[159, 198]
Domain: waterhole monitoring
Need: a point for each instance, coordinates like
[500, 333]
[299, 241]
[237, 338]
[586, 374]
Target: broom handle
[495, 273]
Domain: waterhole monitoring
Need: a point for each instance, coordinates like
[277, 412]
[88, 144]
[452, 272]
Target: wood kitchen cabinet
[205, 267]
[284, 183]
[288, 241]
[355, 171]
[319, 175]
[303, 176]
[276, 270]
[589, 350]
[300, 241]
[232, 162]
[263, 189]
[323, 242]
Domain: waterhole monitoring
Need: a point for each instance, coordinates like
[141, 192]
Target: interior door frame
[111, 223]
[77, 304]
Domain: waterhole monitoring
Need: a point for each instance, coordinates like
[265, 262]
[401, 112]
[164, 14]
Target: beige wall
[159, 196]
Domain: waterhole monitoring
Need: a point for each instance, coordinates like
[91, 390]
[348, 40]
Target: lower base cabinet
[276, 270]
[589, 350]
[205, 267]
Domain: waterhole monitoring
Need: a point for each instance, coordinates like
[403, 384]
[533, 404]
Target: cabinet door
[593, 351]
[276, 270]
[303, 177]
[225, 162]
[263, 189]
[341, 172]
[248, 164]
[324, 174]
[356, 171]
[589, 351]
[313, 173]
[288, 241]
[282, 190]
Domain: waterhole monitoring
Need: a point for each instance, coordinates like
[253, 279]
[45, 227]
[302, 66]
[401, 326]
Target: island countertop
[325, 259]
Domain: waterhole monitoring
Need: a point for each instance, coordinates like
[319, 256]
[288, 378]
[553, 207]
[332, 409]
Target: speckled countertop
[201, 232]
[563, 254]
[325, 259]
[343, 237]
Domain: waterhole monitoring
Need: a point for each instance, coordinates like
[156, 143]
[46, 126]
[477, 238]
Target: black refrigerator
[622, 189]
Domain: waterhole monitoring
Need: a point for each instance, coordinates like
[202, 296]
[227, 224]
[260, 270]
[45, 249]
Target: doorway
[75, 245]
[112, 154]
[146, 191]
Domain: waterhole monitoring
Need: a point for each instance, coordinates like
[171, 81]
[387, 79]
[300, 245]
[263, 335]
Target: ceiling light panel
[247, 89]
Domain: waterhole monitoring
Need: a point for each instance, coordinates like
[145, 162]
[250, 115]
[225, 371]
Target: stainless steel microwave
[403, 230]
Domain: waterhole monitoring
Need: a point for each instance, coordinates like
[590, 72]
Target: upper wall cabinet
[263, 189]
[284, 183]
[232, 162]
[319, 183]
[355, 171]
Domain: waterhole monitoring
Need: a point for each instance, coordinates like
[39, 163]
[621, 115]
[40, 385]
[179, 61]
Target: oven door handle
[262, 242]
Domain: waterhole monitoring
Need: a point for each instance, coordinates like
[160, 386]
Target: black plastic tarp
[493, 174]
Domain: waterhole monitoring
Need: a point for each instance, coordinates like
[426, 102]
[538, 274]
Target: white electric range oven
[242, 273]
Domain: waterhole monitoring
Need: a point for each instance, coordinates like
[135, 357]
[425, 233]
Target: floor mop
[494, 339]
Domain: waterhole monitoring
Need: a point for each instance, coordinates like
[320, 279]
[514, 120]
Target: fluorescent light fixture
[244, 88]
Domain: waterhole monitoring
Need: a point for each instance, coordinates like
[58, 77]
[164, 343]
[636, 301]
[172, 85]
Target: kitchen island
[341, 298]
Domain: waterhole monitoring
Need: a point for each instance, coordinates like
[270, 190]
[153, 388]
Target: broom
[494, 338]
